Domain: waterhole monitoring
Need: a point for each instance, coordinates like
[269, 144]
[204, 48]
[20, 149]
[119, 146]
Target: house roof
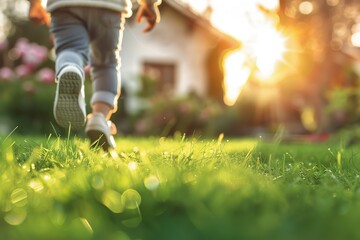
[185, 10]
[201, 21]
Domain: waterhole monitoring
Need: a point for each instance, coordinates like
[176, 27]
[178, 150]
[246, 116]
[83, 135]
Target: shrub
[191, 115]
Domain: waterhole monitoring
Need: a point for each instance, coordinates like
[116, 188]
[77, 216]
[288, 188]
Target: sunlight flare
[236, 76]
[44, 2]
[263, 46]
[355, 39]
[268, 48]
[306, 7]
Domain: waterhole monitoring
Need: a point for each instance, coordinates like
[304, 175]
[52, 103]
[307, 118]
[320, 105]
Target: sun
[262, 44]
[236, 75]
[269, 48]
[266, 48]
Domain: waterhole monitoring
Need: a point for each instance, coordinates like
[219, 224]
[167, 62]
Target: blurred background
[211, 66]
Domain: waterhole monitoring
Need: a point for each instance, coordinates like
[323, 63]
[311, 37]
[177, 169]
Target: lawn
[179, 188]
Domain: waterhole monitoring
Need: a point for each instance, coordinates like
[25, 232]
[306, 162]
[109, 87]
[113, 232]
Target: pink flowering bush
[26, 86]
[7, 74]
[46, 76]
[24, 59]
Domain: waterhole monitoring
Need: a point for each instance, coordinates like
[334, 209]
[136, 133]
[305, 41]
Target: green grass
[180, 188]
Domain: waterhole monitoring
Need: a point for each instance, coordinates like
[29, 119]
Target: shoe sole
[67, 110]
[98, 139]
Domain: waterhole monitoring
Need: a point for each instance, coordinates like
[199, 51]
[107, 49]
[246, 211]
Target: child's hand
[37, 13]
[150, 12]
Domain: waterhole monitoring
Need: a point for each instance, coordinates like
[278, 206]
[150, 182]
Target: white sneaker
[100, 132]
[69, 104]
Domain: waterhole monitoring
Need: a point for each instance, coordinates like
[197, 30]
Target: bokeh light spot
[36, 185]
[332, 3]
[97, 182]
[16, 217]
[308, 119]
[113, 201]
[19, 197]
[306, 7]
[355, 39]
[151, 182]
[131, 199]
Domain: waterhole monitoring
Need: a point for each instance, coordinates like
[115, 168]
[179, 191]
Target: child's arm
[37, 13]
[150, 11]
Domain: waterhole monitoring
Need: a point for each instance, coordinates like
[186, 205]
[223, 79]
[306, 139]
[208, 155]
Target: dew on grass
[135, 149]
[151, 182]
[16, 217]
[113, 201]
[80, 154]
[166, 155]
[132, 166]
[143, 154]
[19, 197]
[26, 168]
[131, 199]
[46, 177]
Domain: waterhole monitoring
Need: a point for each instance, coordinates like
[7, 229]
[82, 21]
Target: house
[182, 55]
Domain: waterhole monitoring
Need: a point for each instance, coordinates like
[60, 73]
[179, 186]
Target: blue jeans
[91, 35]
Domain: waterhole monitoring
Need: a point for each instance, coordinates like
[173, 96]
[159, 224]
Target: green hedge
[27, 105]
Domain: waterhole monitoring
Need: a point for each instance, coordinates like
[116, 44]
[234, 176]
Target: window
[162, 74]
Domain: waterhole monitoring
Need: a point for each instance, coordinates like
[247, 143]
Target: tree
[323, 30]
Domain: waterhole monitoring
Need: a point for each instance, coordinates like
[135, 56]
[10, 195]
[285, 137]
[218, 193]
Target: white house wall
[175, 41]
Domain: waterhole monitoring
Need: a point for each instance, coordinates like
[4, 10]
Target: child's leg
[103, 108]
[71, 44]
[105, 36]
